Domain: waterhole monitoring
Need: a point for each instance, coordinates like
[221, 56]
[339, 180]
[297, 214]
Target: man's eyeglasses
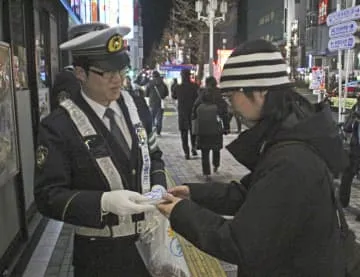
[109, 74]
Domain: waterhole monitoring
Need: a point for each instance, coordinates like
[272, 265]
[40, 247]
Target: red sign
[323, 11]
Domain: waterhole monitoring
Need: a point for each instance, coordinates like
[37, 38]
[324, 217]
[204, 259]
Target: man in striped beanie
[285, 214]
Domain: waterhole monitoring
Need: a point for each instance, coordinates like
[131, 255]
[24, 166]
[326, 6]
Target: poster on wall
[8, 142]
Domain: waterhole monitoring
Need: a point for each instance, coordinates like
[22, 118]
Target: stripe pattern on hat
[254, 70]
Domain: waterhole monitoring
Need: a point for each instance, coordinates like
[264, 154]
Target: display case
[8, 133]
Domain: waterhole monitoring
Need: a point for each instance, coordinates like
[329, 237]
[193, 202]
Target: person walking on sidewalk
[186, 94]
[209, 113]
[285, 214]
[351, 126]
[157, 91]
[96, 155]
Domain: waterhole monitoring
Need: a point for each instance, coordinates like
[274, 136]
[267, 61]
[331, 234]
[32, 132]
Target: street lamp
[211, 20]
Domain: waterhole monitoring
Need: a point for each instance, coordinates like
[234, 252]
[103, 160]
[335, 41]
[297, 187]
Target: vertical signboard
[126, 17]
[83, 11]
[323, 9]
[113, 12]
[94, 10]
[102, 15]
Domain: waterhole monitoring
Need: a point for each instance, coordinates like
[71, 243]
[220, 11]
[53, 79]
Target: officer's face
[102, 86]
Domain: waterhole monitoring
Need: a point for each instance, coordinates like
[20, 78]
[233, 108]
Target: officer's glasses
[108, 75]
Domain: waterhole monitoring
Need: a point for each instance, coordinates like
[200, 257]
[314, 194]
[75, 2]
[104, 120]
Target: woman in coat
[209, 112]
[285, 220]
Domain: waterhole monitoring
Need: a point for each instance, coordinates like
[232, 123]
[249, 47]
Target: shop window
[42, 53]
[18, 44]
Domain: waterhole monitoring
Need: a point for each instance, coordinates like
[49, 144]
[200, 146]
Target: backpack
[348, 238]
[208, 121]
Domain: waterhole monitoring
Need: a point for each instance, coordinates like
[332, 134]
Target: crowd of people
[98, 156]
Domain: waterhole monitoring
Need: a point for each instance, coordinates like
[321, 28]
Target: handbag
[195, 126]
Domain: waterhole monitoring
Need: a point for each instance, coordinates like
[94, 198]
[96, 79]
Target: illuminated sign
[343, 16]
[94, 11]
[344, 29]
[342, 43]
[323, 8]
[120, 12]
[223, 55]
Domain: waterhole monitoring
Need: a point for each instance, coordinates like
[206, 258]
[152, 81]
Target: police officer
[96, 156]
[66, 84]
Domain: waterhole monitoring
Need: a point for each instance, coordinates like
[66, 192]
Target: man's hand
[169, 203]
[182, 192]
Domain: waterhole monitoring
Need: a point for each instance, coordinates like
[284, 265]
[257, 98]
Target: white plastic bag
[160, 249]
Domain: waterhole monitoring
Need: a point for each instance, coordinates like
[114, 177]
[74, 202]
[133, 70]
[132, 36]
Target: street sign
[343, 16]
[344, 29]
[342, 43]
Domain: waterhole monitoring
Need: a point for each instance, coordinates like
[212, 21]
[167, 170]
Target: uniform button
[133, 172]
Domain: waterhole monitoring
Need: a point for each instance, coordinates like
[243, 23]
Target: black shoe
[216, 168]
[194, 152]
[207, 178]
[187, 156]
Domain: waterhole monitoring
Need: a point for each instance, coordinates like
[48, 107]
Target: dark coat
[65, 84]
[69, 185]
[285, 222]
[156, 91]
[186, 94]
[210, 97]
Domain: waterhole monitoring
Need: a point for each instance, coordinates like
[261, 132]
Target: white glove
[124, 202]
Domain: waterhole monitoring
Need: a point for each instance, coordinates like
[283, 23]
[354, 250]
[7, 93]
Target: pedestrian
[66, 85]
[157, 91]
[173, 85]
[186, 94]
[351, 126]
[209, 114]
[285, 217]
[96, 154]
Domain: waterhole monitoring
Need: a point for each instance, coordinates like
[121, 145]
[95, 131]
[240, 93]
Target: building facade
[30, 32]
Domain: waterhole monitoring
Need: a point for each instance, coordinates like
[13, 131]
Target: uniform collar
[100, 109]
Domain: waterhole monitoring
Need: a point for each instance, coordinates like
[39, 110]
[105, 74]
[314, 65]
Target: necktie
[116, 132]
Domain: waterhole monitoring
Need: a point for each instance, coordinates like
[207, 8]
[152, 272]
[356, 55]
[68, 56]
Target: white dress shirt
[119, 116]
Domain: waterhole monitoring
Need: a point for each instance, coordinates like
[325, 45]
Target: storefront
[29, 61]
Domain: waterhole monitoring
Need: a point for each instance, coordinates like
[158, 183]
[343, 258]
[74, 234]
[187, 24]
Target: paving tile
[35, 269]
[42, 254]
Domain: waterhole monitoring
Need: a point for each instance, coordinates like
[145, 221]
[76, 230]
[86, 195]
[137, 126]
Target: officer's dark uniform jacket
[65, 85]
[69, 184]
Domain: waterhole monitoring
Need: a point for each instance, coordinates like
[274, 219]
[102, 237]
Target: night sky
[155, 15]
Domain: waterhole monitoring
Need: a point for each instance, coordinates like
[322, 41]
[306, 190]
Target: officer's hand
[182, 192]
[124, 202]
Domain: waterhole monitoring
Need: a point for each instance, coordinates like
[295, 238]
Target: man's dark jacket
[186, 94]
[285, 221]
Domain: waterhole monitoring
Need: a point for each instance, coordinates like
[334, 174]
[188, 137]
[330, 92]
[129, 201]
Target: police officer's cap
[105, 49]
[81, 29]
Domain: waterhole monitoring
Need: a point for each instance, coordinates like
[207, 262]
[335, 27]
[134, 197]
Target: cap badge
[115, 44]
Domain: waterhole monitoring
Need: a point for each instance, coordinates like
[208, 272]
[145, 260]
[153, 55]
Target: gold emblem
[41, 155]
[115, 44]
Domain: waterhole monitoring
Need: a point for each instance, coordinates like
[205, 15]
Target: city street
[182, 171]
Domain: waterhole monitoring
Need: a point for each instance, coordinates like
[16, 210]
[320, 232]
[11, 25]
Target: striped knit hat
[255, 64]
